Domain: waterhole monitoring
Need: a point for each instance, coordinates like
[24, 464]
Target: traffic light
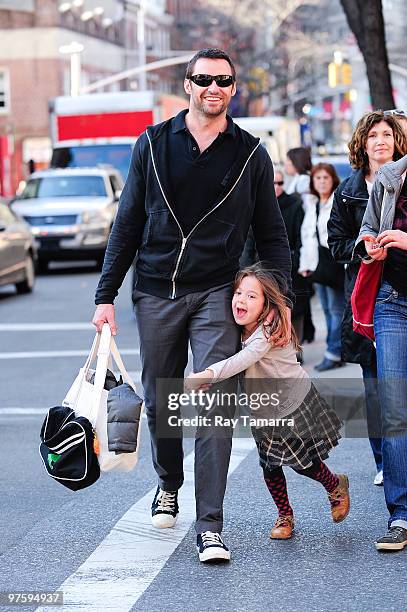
[333, 74]
[346, 74]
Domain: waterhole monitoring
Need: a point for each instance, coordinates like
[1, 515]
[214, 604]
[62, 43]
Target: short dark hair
[209, 54]
[300, 158]
[329, 169]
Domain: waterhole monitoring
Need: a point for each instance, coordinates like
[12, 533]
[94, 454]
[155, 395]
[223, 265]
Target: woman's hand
[393, 239]
[198, 381]
[374, 249]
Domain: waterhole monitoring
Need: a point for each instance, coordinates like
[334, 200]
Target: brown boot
[340, 500]
[283, 528]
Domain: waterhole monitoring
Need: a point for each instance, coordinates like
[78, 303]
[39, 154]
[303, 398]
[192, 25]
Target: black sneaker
[211, 547]
[395, 539]
[164, 509]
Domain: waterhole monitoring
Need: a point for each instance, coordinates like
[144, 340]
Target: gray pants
[165, 326]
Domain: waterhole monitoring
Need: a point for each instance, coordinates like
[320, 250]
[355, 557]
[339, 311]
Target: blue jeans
[390, 325]
[373, 413]
[333, 304]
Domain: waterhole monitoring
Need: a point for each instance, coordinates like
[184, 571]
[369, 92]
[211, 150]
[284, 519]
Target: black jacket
[348, 208]
[170, 264]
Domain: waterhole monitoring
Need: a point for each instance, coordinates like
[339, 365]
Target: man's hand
[104, 313]
[393, 239]
[278, 339]
[374, 249]
[305, 273]
[198, 381]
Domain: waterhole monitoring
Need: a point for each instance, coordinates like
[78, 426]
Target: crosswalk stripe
[127, 561]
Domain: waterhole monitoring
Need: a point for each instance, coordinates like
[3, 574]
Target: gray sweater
[268, 370]
[387, 186]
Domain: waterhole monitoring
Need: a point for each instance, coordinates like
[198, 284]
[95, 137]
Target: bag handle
[107, 349]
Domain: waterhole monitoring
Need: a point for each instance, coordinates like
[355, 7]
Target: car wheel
[27, 285]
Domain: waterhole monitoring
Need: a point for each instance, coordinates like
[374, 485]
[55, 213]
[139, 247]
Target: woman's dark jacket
[348, 208]
[293, 215]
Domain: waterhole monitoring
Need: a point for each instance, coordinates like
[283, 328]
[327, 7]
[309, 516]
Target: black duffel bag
[67, 449]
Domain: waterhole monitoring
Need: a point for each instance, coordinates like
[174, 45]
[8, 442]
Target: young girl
[259, 307]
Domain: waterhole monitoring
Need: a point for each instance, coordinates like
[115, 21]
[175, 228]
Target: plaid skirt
[313, 432]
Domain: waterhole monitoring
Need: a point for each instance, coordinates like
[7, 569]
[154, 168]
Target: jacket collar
[355, 186]
[390, 174]
[179, 125]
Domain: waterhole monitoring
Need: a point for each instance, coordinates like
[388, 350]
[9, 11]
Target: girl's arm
[227, 368]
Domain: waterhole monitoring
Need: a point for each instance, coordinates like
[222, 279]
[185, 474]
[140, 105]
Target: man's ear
[187, 86]
[234, 88]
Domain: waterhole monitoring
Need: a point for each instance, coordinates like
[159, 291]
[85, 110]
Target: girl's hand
[199, 381]
[374, 249]
[393, 239]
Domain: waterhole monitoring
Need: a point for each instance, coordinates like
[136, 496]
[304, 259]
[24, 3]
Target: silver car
[70, 211]
[17, 251]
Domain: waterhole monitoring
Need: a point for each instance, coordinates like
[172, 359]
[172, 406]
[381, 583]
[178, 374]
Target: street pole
[74, 50]
[141, 40]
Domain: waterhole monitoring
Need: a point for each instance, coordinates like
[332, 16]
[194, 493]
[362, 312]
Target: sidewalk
[313, 353]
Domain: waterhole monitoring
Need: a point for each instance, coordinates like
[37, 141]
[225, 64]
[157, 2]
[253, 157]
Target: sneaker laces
[210, 537]
[166, 500]
[395, 532]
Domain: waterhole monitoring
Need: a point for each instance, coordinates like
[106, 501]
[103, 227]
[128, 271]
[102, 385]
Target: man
[196, 184]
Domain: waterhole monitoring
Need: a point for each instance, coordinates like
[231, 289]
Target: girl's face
[323, 183]
[380, 143]
[248, 302]
[289, 167]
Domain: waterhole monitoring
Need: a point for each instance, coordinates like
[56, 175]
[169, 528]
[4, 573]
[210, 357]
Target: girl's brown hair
[274, 286]
[357, 154]
[329, 168]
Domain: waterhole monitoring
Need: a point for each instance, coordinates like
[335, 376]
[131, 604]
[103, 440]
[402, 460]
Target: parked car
[17, 251]
[70, 211]
[340, 163]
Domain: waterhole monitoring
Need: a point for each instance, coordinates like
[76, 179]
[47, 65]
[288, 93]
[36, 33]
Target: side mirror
[117, 194]
[2, 227]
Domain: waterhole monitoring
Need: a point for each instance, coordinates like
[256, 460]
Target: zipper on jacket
[185, 238]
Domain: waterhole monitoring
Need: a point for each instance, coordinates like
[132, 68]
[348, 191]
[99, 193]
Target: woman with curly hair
[377, 139]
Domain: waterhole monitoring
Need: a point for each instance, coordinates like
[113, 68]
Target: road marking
[12, 327]
[54, 354]
[127, 561]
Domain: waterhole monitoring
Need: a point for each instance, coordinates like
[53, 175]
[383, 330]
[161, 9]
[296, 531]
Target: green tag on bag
[52, 459]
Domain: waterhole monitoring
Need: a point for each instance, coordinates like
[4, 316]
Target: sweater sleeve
[126, 233]
[249, 355]
[269, 229]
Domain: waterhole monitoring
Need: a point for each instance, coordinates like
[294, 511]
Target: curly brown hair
[274, 286]
[329, 168]
[357, 154]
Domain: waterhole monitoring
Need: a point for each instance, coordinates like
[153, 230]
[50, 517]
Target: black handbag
[328, 271]
[67, 449]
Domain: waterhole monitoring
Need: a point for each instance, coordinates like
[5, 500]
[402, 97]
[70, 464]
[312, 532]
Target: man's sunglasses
[204, 80]
[280, 183]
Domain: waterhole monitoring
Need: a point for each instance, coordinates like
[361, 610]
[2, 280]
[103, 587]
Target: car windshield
[64, 187]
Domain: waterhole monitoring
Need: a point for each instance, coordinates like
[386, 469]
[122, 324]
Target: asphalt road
[48, 532]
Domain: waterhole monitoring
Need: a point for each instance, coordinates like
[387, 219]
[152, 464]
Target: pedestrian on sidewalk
[390, 327]
[377, 139]
[196, 183]
[293, 215]
[315, 253]
[309, 428]
[298, 166]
